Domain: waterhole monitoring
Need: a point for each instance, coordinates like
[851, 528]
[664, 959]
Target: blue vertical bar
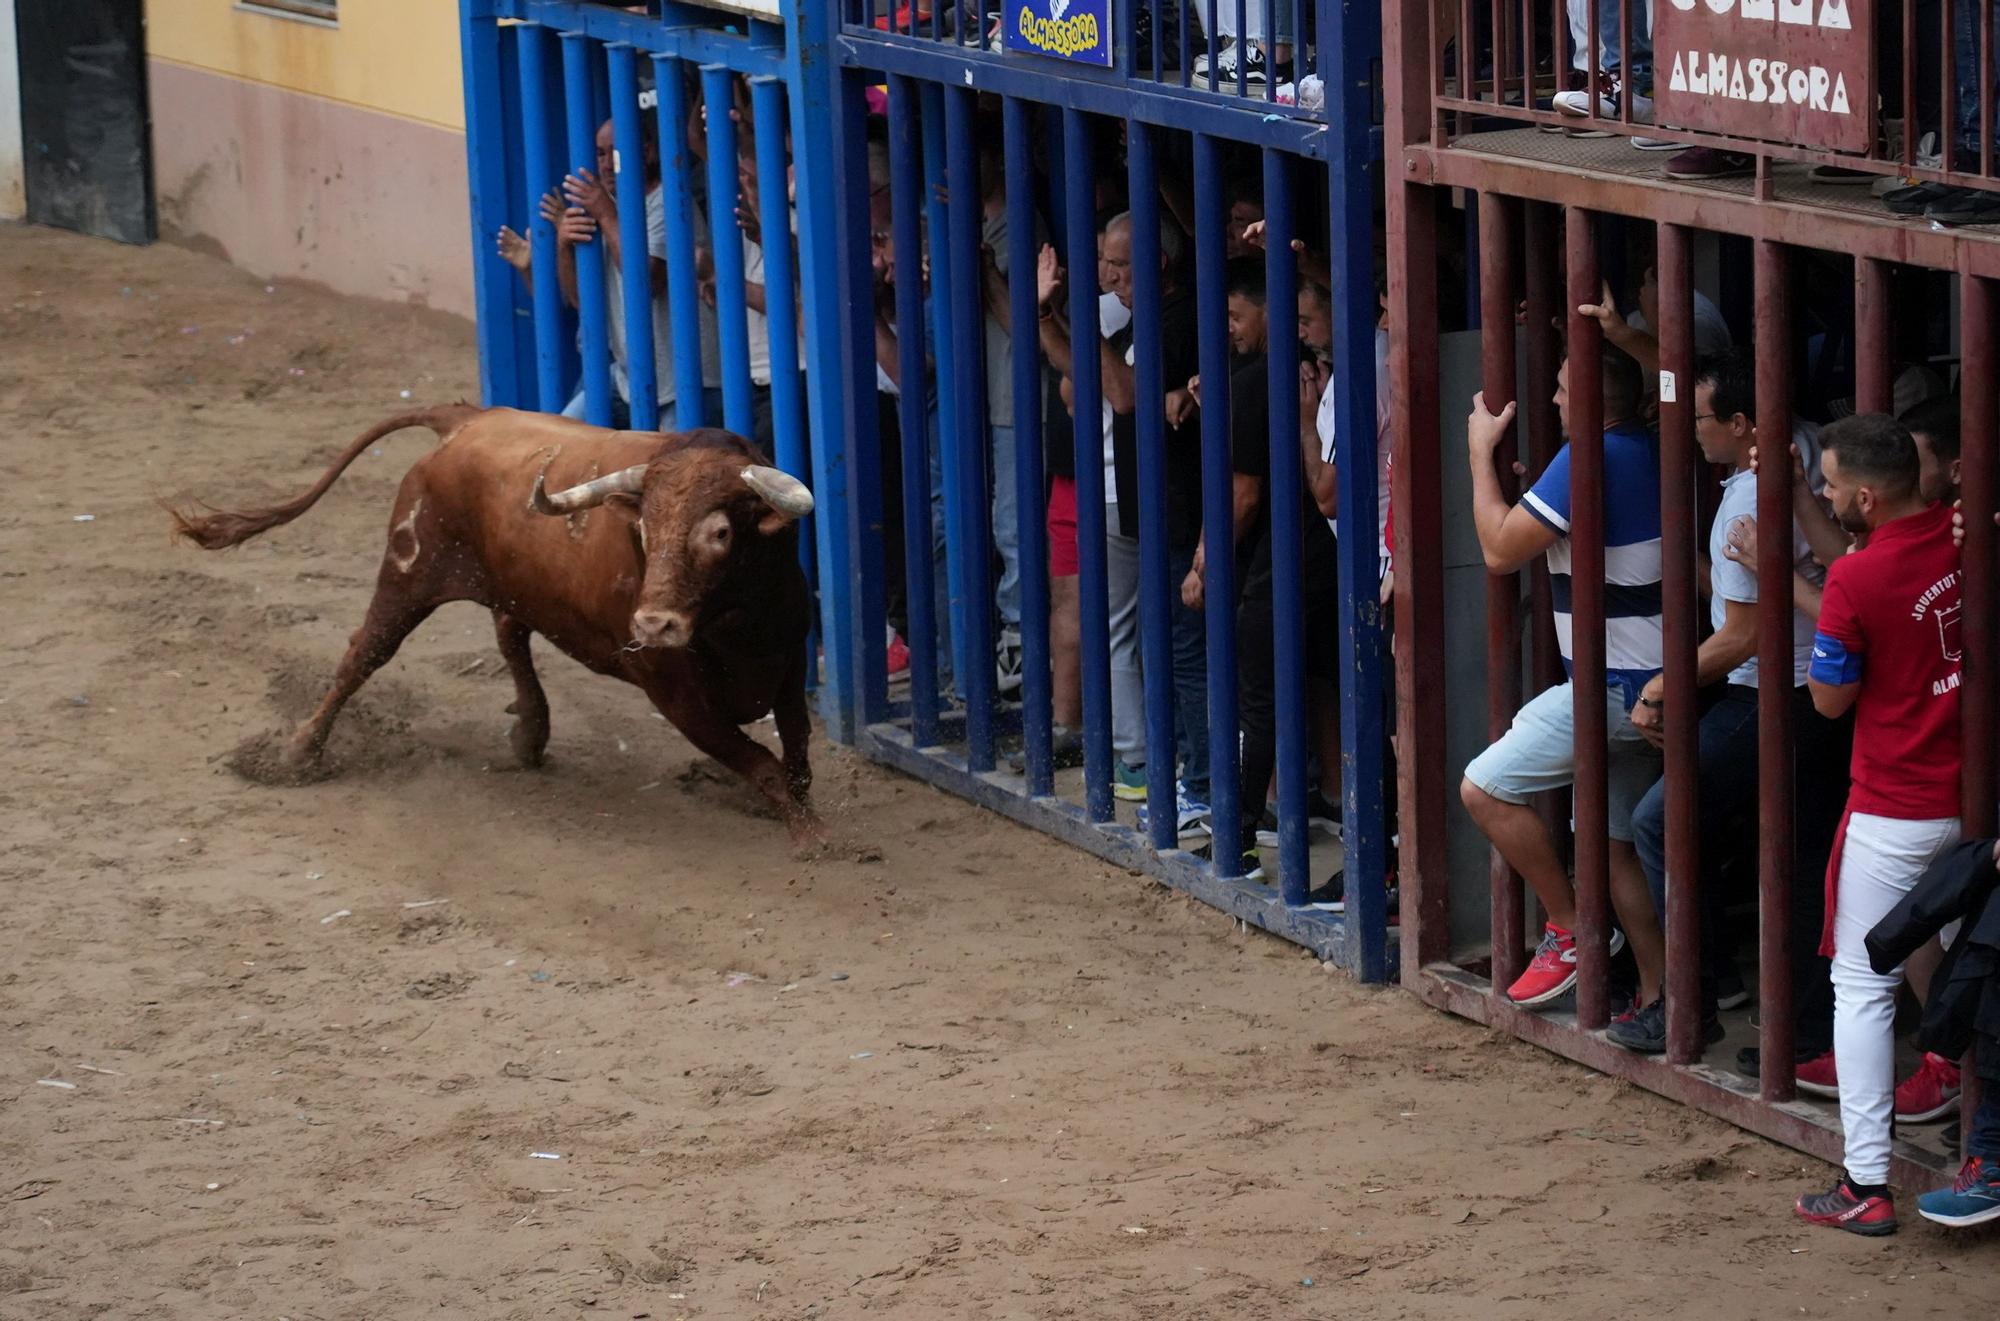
[542, 175]
[816, 84]
[1087, 394]
[635, 274]
[1350, 37]
[731, 313]
[944, 361]
[1030, 494]
[579, 112]
[1218, 530]
[968, 333]
[1285, 503]
[863, 458]
[906, 183]
[781, 311]
[486, 175]
[683, 299]
[1150, 427]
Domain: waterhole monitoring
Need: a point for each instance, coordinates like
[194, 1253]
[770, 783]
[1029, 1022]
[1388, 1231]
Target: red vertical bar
[1503, 592]
[1468, 56]
[1909, 54]
[1499, 38]
[1541, 236]
[1976, 588]
[1526, 36]
[1591, 62]
[1872, 387]
[1586, 542]
[1417, 499]
[1977, 493]
[1774, 666]
[1677, 589]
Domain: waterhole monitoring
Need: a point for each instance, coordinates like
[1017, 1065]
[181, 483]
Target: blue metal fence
[542, 76]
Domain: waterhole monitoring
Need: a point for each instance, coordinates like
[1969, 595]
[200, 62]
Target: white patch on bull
[407, 528]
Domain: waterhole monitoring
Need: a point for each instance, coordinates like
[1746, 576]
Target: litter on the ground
[426, 903]
[544, 1155]
[92, 1068]
[741, 979]
[405, 394]
[214, 1186]
[205, 1123]
[538, 975]
[336, 916]
[56, 1082]
[642, 788]
[83, 518]
[862, 1055]
[837, 977]
[1135, 1229]
[315, 875]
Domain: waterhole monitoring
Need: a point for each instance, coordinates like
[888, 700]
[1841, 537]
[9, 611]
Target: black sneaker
[1323, 814]
[1730, 992]
[1975, 207]
[1918, 197]
[1646, 1031]
[1066, 752]
[1252, 865]
[1750, 1059]
[1330, 895]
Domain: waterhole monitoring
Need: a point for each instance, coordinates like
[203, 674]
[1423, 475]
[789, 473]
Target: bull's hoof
[530, 745]
[263, 760]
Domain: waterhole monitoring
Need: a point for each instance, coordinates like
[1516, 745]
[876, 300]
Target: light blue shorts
[1538, 753]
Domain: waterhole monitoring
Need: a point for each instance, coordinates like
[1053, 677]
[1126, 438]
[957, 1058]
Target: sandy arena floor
[440, 1038]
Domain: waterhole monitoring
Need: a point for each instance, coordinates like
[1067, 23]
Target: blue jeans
[621, 412]
[1984, 1139]
[1610, 17]
[1006, 529]
[1965, 84]
[1190, 642]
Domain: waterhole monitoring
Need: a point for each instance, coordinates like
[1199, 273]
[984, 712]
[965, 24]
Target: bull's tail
[217, 529]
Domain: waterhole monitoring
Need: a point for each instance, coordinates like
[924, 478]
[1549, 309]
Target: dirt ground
[440, 1038]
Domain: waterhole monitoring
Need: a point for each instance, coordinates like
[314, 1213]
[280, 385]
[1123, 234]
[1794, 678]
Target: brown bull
[668, 561]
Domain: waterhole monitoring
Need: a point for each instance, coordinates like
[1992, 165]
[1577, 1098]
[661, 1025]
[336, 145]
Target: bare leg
[1066, 652]
[1324, 702]
[1518, 831]
[1633, 901]
[530, 735]
[391, 617]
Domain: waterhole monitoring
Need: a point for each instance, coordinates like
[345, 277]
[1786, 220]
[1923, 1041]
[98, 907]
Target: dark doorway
[85, 130]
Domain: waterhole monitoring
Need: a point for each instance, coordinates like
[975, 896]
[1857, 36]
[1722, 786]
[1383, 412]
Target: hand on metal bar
[1958, 532]
[1484, 429]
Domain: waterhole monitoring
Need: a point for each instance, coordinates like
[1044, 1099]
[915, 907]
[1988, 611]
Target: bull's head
[703, 519]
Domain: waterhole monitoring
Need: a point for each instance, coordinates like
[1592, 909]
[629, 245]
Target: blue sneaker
[1192, 817]
[1128, 783]
[1972, 1199]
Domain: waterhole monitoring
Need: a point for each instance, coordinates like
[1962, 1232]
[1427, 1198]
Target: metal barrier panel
[1839, 320]
[1020, 270]
[625, 313]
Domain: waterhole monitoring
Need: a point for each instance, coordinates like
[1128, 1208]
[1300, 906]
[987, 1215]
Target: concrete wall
[13, 182]
[328, 153]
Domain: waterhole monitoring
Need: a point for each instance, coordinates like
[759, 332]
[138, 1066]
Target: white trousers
[1879, 864]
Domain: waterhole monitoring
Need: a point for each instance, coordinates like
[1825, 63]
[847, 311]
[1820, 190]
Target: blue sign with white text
[1078, 30]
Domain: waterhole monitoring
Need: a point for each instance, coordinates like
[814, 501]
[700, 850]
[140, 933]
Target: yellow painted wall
[399, 57]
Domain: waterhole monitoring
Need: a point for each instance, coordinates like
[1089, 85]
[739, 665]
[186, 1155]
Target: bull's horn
[626, 481]
[780, 490]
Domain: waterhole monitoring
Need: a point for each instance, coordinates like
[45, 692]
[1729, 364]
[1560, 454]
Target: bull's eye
[722, 537]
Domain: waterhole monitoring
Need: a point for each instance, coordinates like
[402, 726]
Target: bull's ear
[623, 502]
[773, 522]
[785, 495]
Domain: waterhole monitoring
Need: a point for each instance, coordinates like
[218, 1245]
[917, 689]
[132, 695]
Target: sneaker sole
[1819, 1089]
[1990, 1214]
[1736, 1001]
[1935, 1113]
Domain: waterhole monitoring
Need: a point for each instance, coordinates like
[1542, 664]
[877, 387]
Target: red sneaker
[1840, 1207]
[899, 654]
[1817, 1077]
[1929, 1093]
[1550, 973]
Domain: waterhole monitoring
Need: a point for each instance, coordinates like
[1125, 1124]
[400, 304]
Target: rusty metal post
[1416, 495]
[1873, 386]
[1503, 591]
[1774, 667]
[1678, 607]
[1977, 384]
[1586, 542]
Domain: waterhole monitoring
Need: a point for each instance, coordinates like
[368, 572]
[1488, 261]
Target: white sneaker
[1223, 71]
[1610, 91]
[1007, 662]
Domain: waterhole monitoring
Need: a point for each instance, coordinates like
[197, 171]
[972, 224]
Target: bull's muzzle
[654, 627]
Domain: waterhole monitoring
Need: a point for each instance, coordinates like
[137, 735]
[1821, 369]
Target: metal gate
[1543, 220]
[541, 79]
[1004, 114]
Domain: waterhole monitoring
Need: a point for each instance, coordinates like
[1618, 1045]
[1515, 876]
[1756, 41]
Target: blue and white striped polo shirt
[1633, 644]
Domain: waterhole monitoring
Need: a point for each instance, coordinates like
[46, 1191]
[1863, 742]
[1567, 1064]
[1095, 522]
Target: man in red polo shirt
[1888, 646]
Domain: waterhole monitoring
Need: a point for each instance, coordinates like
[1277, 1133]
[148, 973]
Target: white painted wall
[13, 181]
